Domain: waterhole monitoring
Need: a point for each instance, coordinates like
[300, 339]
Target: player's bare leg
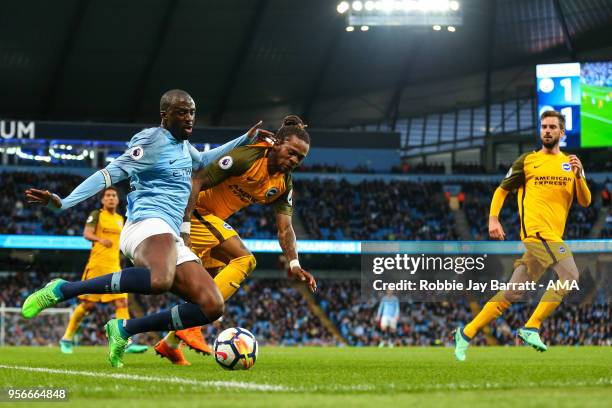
[170, 345]
[204, 305]
[158, 254]
[240, 262]
[192, 282]
[190, 277]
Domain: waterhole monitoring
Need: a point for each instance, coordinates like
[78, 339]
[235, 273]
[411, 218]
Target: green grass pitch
[596, 116]
[323, 377]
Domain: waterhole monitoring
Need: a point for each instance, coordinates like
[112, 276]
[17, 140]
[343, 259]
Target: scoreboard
[582, 92]
[559, 89]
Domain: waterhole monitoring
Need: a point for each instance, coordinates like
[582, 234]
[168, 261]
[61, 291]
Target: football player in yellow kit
[547, 181]
[103, 228]
[258, 173]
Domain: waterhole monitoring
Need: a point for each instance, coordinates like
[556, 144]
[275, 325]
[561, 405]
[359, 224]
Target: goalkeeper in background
[547, 181]
[103, 228]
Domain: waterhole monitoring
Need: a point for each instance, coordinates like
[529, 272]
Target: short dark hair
[292, 126]
[112, 188]
[554, 114]
[170, 97]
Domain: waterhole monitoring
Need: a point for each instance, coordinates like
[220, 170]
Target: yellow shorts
[100, 270]
[542, 251]
[207, 232]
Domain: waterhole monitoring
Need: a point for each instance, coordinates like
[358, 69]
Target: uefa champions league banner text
[438, 272]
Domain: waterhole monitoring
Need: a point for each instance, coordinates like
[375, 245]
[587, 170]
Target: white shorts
[134, 233]
[388, 322]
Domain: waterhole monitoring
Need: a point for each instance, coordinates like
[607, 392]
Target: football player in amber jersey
[103, 228]
[547, 181]
[258, 173]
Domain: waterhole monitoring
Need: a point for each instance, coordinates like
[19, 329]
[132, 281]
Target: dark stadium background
[412, 129]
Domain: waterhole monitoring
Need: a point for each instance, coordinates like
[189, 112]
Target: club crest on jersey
[226, 162]
[566, 166]
[562, 250]
[271, 192]
[137, 152]
[227, 226]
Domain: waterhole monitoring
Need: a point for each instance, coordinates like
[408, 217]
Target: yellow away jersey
[107, 226]
[241, 178]
[546, 185]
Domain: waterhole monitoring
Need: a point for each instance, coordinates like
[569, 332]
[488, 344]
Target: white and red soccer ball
[236, 349]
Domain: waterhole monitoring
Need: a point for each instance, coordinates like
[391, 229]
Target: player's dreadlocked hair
[292, 126]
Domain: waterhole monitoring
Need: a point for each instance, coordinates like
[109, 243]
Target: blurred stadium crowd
[278, 314]
[328, 209]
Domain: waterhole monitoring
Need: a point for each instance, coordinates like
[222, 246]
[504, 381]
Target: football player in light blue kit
[159, 162]
[388, 315]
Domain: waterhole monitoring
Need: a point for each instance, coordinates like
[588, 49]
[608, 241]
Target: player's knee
[573, 274]
[514, 295]
[214, 306]
[161, 280]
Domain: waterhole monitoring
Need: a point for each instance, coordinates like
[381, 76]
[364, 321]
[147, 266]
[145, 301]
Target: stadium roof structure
[245, 60]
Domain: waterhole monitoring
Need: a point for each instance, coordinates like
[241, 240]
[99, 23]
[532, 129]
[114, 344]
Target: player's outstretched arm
[583, 194]
[288, 243]
[496, 231]
[89, 187]
[203, 159]
[142, 154]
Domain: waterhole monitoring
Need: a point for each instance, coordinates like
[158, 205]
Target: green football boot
[43, 298]
[66, 346]
[116, 342]
[531, 337]
[462, 342]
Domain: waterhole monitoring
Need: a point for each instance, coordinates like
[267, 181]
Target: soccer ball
[236, 349]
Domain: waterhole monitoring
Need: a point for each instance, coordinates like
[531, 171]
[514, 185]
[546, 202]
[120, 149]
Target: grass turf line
[308, 376]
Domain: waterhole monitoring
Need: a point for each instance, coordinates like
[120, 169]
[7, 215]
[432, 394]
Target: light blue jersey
[159, 168]
[389, 307]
